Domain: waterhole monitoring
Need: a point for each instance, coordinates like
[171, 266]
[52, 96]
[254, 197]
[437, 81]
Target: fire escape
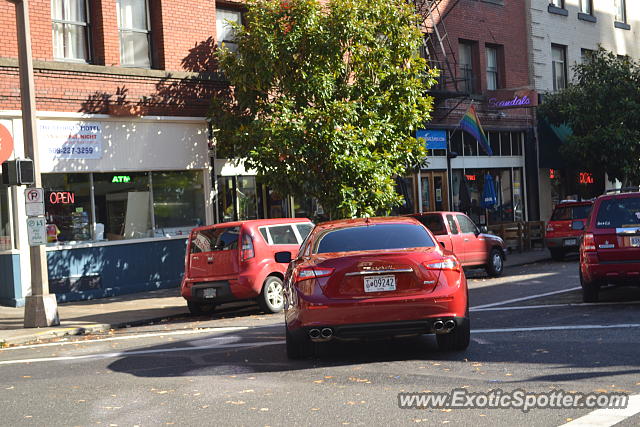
[439, 52]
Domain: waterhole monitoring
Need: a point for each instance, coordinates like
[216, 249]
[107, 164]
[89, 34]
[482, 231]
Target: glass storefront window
[518, 192]
[247, 194]
[178, 201]
[123, 206]
[67, 207]
[470, 145]
[505, 143]
[494, 142]
[5, 225]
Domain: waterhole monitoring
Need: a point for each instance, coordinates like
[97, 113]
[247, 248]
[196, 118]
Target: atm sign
[121, 178]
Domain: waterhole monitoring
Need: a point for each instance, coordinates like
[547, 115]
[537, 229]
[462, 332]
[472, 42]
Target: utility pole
[41, 308]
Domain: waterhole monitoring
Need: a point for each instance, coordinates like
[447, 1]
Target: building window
[557, 3]
[70, 22]
[493, 81]
[123, 205]
[585, 55]
[586, 7]
[135, 33]
[115, 206]
[621, 11]
[559, 66]
[177, 200]
[5, 222]
[225, 32]
[466, 67]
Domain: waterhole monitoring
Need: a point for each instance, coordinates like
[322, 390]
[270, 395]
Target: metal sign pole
[41, 308]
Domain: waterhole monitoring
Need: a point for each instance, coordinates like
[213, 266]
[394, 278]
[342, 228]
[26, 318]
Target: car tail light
[247, 248]
[307, 273]
[588, 242]
[448, 263]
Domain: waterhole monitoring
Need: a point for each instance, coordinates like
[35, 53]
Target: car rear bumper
[559, 243]
[614, 272]
[419, 309]
[234, 288]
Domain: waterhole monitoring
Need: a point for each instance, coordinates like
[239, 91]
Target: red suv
[235, 261]
[566, 226]
[610, 247]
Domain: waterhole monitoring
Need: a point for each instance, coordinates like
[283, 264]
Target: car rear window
[373, 237]
[434, 223]
[569, 213]
[215, 239]
[619, 213]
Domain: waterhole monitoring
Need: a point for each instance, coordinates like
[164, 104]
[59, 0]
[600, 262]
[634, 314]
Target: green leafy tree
[602, 107]
[325, 98]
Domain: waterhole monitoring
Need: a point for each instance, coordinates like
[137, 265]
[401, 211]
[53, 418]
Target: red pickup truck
[459, 234]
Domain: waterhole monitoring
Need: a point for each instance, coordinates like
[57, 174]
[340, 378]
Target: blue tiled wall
[10, 289]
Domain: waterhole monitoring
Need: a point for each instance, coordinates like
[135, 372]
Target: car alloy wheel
[496, 263]
[272, 296]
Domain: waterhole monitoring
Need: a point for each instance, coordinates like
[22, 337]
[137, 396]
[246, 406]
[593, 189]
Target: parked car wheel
[456, 340]
[590, 290]
[271, 299]
[200, 308]
[495, 265]
[557, 254]
[299, 348]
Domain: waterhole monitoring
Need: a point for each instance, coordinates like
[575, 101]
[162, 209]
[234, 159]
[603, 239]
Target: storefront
[459, 183]
[121, 196]
[240, 195]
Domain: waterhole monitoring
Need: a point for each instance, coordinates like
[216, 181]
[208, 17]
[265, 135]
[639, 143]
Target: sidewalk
[78, 318]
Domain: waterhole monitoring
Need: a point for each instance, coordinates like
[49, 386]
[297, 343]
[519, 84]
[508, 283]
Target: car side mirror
[283, 257]
[484, 229]
[443, 245]
[577, 225]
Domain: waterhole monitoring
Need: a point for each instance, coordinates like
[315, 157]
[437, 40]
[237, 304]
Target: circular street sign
[6, 144]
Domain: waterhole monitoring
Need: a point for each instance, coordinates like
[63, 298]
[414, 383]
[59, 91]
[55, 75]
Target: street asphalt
[530, 331]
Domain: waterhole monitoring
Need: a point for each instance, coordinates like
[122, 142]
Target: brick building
[122, 92]
[562, 33]
[481, 48]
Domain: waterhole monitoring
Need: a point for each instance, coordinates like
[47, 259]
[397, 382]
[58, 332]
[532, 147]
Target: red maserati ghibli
[373, 277]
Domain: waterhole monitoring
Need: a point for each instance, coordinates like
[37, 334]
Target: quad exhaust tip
[450, 324]
[314, 333]
[438, 325]
[326, 332]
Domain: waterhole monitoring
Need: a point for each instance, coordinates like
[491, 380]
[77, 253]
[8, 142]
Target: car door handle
[466, 240]
[209, 259]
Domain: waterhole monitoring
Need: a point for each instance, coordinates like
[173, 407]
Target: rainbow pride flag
[471, 124]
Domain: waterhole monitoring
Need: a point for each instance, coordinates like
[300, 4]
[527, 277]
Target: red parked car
[235, 261]
[610, 247]
[566, 227]
[373, 277]
[457, 233]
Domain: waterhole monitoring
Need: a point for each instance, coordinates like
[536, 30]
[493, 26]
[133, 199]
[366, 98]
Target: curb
[80, 330]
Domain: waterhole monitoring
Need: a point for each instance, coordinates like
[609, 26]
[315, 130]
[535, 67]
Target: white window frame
[557, 3]
[586, 7]
[621, 11]
[563, 63]
[220, 24]
[67, 23]
[492, 71]
[466, 69]
[146, 31]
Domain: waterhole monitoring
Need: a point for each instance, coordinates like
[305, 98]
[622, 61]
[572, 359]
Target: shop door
[434, 191]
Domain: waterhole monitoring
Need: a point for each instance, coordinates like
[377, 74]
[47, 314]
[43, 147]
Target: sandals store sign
[502, 99]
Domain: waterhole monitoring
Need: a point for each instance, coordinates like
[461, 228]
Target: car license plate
[570, 242]
[379, 283]
[209, 292]
[635, 242]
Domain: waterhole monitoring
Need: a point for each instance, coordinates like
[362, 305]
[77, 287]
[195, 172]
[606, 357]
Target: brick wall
[182, 41]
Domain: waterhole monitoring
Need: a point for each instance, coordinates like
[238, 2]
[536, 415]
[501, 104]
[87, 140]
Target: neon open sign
[62, 198]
